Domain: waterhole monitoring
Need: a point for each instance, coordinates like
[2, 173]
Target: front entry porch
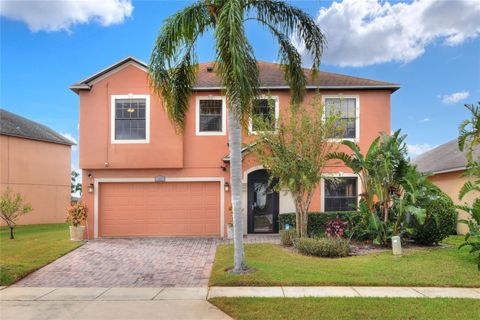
[262, 204]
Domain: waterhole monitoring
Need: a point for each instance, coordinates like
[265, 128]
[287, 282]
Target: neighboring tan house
[141, 178]
[35, 161]
[447, 165]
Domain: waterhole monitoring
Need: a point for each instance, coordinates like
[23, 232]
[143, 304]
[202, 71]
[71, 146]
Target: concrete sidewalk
[298, 292]
[22, 303]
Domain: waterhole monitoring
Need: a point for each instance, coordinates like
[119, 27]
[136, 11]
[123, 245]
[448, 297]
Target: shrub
[317, 221]
[287, 237]
[336, 227]
[323, 247]
[441, 220]
[77, 213]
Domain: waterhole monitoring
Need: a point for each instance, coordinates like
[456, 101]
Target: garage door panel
[159, 209]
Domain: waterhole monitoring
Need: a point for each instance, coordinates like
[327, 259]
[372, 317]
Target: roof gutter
[449, 170]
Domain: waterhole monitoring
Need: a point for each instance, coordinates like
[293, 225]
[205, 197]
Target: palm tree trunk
[235, 145]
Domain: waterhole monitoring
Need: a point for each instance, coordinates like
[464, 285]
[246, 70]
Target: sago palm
[173, 68]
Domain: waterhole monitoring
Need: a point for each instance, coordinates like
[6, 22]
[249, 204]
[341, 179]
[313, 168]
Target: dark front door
[262, 204]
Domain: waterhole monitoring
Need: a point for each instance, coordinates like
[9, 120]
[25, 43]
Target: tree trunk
[11, 233]
[235, 145]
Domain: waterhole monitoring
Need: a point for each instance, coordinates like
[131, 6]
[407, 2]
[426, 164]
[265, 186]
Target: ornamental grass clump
[330, 247]
[76, 214]
[287, 237]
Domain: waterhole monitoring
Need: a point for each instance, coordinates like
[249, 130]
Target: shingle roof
[444, 158]
[271, 77]
[17, 126]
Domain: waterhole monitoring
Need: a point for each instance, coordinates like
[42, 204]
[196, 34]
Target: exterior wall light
[90, 188]
[226, 186]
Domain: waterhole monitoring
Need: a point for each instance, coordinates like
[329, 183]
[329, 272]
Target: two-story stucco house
[141, 178]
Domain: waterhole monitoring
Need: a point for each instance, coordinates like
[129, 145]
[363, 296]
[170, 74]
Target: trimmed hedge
[317, 221]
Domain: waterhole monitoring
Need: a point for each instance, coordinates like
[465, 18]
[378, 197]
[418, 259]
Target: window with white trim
[211, 116]
[130, 118]
[340, 194]
[346, 108]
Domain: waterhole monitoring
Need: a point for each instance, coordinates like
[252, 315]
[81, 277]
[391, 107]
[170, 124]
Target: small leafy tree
[12, 206]
[74, 185]
[294, 150]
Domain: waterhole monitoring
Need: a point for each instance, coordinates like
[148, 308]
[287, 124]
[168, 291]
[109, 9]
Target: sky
[431, 48]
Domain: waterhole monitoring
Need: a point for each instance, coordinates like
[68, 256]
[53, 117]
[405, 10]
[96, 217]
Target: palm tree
[173, 68]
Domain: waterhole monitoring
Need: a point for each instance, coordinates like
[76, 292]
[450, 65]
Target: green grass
[33, 247]
[348, 308]
[442, 267]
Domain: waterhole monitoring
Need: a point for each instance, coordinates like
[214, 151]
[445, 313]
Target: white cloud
[71, 138]
[368, 32]
[417, 149]
[424, 120]
[455, 97]
[42, 15]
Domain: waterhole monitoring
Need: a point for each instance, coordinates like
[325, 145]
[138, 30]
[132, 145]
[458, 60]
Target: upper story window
[130, 118]
[340, 194]
[211, 113]
[348, 109]
[264, 107]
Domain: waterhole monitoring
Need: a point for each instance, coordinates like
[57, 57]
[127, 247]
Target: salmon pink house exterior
[141, 178]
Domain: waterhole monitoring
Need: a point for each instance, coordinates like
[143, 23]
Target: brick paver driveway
[146, 262]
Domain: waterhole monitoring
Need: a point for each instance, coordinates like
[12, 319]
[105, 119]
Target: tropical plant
[469, 131]
[286, 152]
[77, 213]
[336, 227]
[469, 137]
[361, 165]
[12, 206]
[74, 185]
[382, 171]
[473, 183]
[173, 67]
[472, 237]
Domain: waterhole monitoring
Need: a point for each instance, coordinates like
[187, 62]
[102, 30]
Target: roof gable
[87, 83]
[271, 77]
[16, 126]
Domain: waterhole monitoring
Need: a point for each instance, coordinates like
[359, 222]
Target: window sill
[130, 141]
[210, 133]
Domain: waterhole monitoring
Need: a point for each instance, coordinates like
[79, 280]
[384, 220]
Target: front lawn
[348, 308]
[442, 267]
[34, 246]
